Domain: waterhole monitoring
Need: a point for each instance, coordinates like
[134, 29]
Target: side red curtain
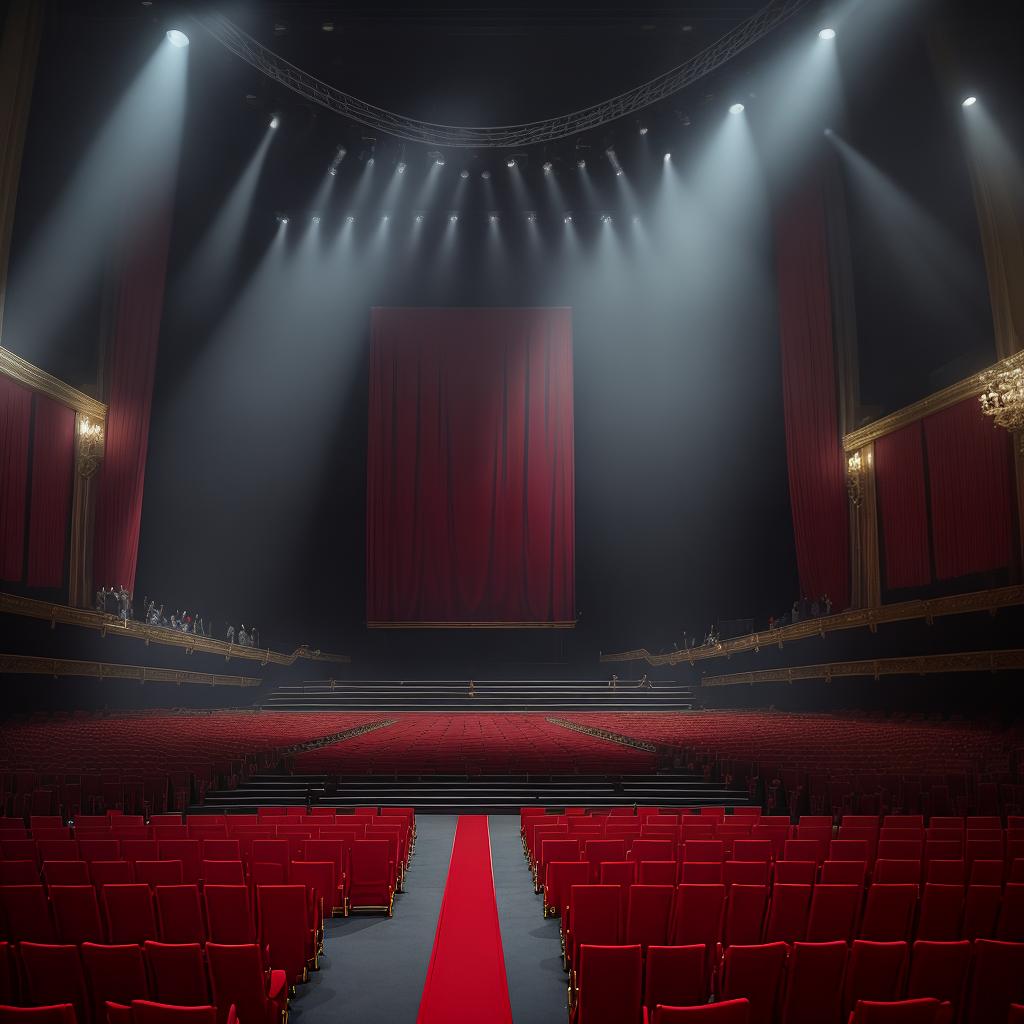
[817, 480]
[53, 457]
[971, 482]
[132, 364]
[470, 472]
[903, 507]
[15, 419]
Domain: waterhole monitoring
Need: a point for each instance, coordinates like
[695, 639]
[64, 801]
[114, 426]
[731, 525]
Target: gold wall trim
[970, 387]
[603, 734]
[568, 624]
[21, 665]
[111, 625]
[918, 665]
[31, 376]
[904, 611]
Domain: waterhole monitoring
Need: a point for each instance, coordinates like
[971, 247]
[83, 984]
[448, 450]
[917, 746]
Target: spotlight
[548, 166]
[327, 26]
[643, 129]
[385, 219]
[282, 218]
[463, 173]
[736, 108]
[531, 218]
[350, 219]
[827, 33]
[567, 218]
[176, 38]
[274, 121]
[486, 175]
[401, 167]
[419, 218]
[668, 156]
[581, 164]
[493, 218]
[316, 219]
[969, 101]
[606, 218]
[614, 161]
[439, 160]
[370, 161]
[510, 162]
[453, 217]
[338, 157]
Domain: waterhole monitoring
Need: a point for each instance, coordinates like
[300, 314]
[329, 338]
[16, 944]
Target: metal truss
[668, 84]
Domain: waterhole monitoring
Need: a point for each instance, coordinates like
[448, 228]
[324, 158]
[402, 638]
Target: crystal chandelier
[1002, 395]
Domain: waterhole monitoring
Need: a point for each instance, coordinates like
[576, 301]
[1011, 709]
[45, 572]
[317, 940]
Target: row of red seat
[103, 982]
[140, 1011]
[803, 983]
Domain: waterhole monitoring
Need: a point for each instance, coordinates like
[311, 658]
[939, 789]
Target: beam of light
[363, 187]
[737, 108]
[969, 101]
[127, 171]
[427, 194]
[990, 147]
[827, 33]
[177, 38]
[390, 197]
[519, 188]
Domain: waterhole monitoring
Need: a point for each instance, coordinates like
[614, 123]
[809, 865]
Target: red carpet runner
[466, 977]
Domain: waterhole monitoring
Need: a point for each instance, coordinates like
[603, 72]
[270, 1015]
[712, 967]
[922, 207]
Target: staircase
[490, 695]
[482, 794]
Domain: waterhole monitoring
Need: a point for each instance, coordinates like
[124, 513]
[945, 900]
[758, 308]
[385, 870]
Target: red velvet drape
[53, 456]
[817, 484]
[15, 418]
[132, 365]
[971, 482]
[903, 507]
[470, 487]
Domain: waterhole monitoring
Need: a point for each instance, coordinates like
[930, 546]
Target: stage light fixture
[510, 162]
[177, 38]
[452, 218]
[282, 218]
[274, 121]
[439, 160]
[581, 164]
[531, 218]
[349, 219]
[493, 218]
[316, 219]
[463, 173]
[370, 161]
[486, 175]
[736, 108]
[644, 129]
[567, 218]
[614, 161]
[969, 101]
[668, 156]
[401, 167]
[606, 218]
[338, 157]
[548, 166]
[419, 218]
[827, 33]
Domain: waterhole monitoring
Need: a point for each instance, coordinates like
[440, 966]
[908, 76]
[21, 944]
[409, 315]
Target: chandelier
[1002, 395]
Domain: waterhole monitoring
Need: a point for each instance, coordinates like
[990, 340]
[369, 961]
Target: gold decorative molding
[918, 665]
[904, 611]
[22, 665]
[111, 625]
[566, 624]
[31, 376]
[603, 734]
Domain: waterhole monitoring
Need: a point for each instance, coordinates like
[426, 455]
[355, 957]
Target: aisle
[466, 981]
[374, 967]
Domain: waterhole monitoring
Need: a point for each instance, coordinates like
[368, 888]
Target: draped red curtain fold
[470, 486]
[132, 365]
[970, 473]
[53, 456]
[15, 421]
[817, 484]
[903, 507]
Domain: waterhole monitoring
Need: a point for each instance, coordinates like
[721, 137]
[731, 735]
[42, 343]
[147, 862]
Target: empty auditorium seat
[981, 911]
[76, 914]
[286, 928]
[814, 983]
[53, 974]
[180, 913]
[561, 876]
[178, 973]
[66, 872]
[238, 977]
[62, 1013]
[25, 913]
[159, 872]
[755, 972]
[942, 910]
[648, 914]
[744, 914]
[115, 974]
[372, 877]
[111, 872]
[145, 1011]
[697, 916]
[735, 1011]
[833, 913]
[129, 913]
[675, 976]
[228, 914]
[608, 987]
[997, 980]
[223, 872]
[876, 971]
[787, 913]
[889, 913]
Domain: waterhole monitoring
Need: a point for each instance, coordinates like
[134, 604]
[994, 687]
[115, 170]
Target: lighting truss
[667, 84]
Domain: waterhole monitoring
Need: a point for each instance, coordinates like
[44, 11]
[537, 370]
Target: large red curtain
[817, 484]
[53, 456]
[971, 481]
[15, 419]
[470, 487]
[132, 365]
[903, 507]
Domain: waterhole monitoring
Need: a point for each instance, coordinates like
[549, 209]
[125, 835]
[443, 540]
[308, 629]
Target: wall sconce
[854, 466]
[91, 440]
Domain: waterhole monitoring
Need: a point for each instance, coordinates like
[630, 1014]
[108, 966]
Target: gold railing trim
[903, 611]
[21, 664]
[24, 372]
[111, 625]
[924, 664]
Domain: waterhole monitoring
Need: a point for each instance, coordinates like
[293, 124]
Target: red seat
[185, 850]
[223, 872]
[744, 914]
[334, 851]
[57, 849]
[560, 877]
[981, 911]
[942, 909]
[844, 872]
[111, 872]
[675, 976]
[180, 913]
[939, 970]
[747, 872]
[946, 872]
[904, 1011]
[875, 970]
[53, 974]
[8, 975]
[19, 872]
[159, 872]
[319, 877]
[804, 850]
[178, 973]
[594, 913]
[833, 913]
[372, 880]
[559, 848]
[25, 914]
[146, 1012]
[735, 1011]
[62, 1013]
[889, 913]
[597, 850]
[701, 872]
[752, 850]
[66, 872]
[229, 914]
[76, 913]
[139, 849]
[99, 849]
[986, 872]
[220, 849]
[697, 916]
[657, 872]
[787, 913]
[129, 912]
[814, 983]
[706, 851]
[1011, 914]
[997, 981]
[795, 872]
[285, 928]
[648, 914]
[238, 978]
[897, 871]
[116, 974]
[623, 874]
[608, 986]
[755, 973]
[900, 849]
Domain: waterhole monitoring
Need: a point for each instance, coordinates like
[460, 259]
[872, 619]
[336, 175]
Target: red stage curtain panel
[132, 366]
[470, 485]
[817, 481]
[903, 507]
[53, 456]
[970, 472]
[15, 417]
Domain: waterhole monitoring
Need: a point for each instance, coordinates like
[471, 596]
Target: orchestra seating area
[801, 921]
[215, 911]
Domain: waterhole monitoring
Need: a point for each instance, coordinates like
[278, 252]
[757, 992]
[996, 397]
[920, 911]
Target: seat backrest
[657, 872]
[53, 974]
[116, 974]
[111, 872]
[897, 871]
[942, 910]
[223, 872]
[843, 872]
[875, 970]
[597, 850]
[159, 872]
[178, 973]
[903, 1011]
[320, 877]
[229, 914]
[76, 913]
[795, 872]
[146, 1012]
[648, 914]
[594, 912]
[561, 876]
[368, 862]
[185, 850]
[755, 972]
[946, 872]
[609, 981]
[675, 976]
[25, 913]
[889, 913]
[697, 915]
[65, 872]
[747, 872]
[814, 983]
[180, 913]
[940, 970]
[1011, 914]
[833, 913]
[284, 927]
[704, 851]
[236, 977]
[129, 913]
[734, 1011]
[787, 913]
[744, 914]
[61, 1013]
[981, 911]
[752, 849]
[997, 980]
